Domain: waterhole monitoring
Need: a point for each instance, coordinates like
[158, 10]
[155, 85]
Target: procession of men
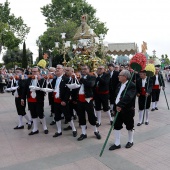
[83, 96]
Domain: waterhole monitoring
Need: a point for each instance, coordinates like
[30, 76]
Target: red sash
[30, 99]
[103, 92]
[56, 100]
[143, 91]
[155, 87]
[81, 98]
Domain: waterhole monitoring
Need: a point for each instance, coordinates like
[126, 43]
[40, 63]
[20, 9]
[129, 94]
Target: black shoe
[62, 118]
[46, 131]
[152, 109]
[29, 126]
[57, 134]
[156, 108]
[33, 133]
[112, 114]
[129, 145]
[31, 122]
[114, 147]
[98, 124]
[74, 133]
[139, 124]
[97, 134]
[146, 123]
[67, 128]
[21, 127]
[111, 122]
[53, 123]
[82, 136]
[75, 117]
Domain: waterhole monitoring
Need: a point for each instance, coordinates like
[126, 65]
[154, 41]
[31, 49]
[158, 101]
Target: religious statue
[144, 47]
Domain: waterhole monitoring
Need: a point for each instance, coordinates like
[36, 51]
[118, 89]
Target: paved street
[18, 151]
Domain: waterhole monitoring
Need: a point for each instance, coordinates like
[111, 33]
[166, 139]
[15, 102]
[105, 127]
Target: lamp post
[154, 53]
[65, 47]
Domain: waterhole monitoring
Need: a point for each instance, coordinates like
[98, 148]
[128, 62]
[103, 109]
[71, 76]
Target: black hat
[18, 68]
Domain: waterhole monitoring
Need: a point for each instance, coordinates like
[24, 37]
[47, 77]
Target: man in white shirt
[125, 105]
[158, 81]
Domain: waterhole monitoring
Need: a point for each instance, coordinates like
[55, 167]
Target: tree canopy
[12, 29]
[64, 16]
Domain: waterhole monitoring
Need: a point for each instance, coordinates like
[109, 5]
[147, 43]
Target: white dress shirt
[120, 91]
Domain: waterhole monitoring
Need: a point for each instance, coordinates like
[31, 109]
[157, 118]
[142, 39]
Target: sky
[127, 21]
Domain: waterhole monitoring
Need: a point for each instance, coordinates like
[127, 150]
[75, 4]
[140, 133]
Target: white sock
[35, 124]
[141, 115]
[109, 114]
[95, 113]
[83, 128]
[147, 115]
[26, 117]
[156, 103]
[58, 123]
[29, 116]
[44, 123]
[98, 116]
[20, 121]
[71, 123]
[95, 128]
[111, 107]
[117, 137]
[74, 112]
[153, 105]
[130, 135]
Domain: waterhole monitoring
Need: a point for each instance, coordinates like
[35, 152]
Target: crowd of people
[111, 90]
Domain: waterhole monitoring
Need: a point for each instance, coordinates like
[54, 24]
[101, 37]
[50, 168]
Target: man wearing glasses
[61, 101]
[125, 105]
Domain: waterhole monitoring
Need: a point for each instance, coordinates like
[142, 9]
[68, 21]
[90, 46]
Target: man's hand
[118, 109]
[63, 103]
[95, 74]
[138, 94]
[147, 94]
[22, 102]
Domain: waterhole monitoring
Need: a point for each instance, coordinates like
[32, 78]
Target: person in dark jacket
[158, 82]
[125, 105]
[61, 101]
[19, 81]
[35, 99]
[101, 94]
[85, 102]
[144, 89]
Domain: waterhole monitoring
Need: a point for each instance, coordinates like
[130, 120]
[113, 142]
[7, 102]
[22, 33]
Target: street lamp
[154, 53]
[65, 47]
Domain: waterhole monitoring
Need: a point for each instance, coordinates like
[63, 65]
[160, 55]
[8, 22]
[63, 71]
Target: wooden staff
[164, 91]
[145, 100]
[112, 126]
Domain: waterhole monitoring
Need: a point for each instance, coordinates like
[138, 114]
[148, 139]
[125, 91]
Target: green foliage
[65, 16]
[12, 29]
[165, 59]
[63, 10]
[15, 55]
